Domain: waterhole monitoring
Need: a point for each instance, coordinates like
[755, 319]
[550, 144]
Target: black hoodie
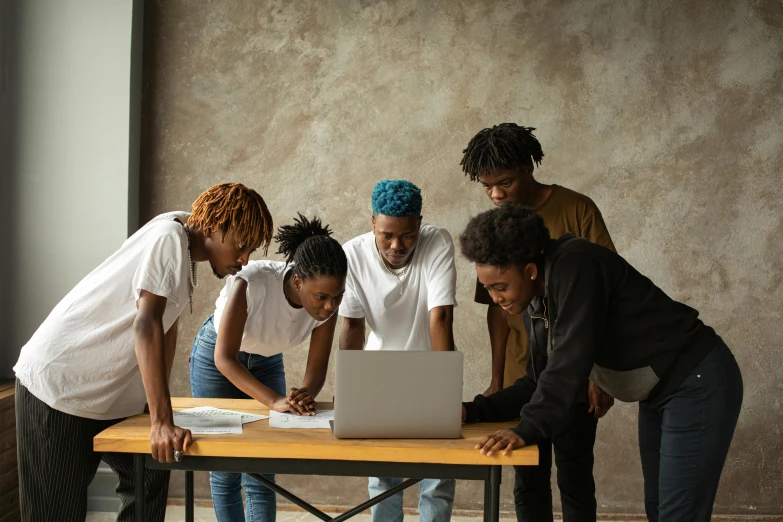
[608, 323]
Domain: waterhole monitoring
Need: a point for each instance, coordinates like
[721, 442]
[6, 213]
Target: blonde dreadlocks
[233, 207]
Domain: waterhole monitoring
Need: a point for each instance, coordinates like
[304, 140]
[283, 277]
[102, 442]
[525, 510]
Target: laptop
[398, 395]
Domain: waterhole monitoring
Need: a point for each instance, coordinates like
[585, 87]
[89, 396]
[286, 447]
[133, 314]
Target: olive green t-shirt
[563, 211]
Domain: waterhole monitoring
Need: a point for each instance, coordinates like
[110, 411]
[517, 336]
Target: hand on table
[301, 402]
[600, 401]
[503, 440]
[166, 438]
[298, 402]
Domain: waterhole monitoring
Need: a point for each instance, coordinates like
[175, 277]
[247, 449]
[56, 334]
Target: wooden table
[261, 449]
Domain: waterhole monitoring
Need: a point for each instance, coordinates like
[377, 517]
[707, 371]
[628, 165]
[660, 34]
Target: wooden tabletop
[258, 440]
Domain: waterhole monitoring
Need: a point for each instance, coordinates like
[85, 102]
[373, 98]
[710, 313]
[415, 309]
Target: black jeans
[684, 439]
[574, 458]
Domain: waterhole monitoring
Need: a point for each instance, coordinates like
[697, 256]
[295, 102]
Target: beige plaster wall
[668, 114]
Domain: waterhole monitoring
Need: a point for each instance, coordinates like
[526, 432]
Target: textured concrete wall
[668, 114]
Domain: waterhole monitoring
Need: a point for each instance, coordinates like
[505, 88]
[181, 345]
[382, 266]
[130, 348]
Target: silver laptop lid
[398, 394]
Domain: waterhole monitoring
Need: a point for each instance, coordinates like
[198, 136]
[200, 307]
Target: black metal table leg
[189, 500]
[290, 496]
[494, 494]
[140, 502]
[323, 516]
[486, 500]
[377, 499]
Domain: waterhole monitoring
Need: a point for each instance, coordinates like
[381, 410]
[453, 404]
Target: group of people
[571, 325]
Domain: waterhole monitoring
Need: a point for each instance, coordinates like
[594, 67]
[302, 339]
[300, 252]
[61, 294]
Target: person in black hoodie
[591, 315]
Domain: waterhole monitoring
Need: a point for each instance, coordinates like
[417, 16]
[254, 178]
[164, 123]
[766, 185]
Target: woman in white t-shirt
[266, 308]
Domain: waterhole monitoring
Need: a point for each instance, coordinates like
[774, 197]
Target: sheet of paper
[209, 410]
[289, 420]
[209, 424]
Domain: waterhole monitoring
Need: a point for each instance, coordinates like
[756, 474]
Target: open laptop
[398, 394]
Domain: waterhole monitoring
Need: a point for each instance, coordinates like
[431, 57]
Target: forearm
[240, 377]
[314, 381]
[497, 324]
[352, 335]
[171, 348]
[441, 329]
[154, 367]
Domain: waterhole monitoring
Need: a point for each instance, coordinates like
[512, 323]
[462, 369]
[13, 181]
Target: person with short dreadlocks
[267, 308]
[502, 159]
[107, 349]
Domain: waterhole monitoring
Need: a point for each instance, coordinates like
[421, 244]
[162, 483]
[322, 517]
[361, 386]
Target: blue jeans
[207, 381]
[436, 498]
[684, 439]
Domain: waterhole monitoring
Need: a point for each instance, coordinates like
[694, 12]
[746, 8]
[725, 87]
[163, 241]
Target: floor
[203, 514]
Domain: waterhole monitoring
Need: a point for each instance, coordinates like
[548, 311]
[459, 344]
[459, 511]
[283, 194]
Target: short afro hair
[396, 198]
[507, 236]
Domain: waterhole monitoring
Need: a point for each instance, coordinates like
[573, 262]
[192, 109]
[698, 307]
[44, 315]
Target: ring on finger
[177, 455]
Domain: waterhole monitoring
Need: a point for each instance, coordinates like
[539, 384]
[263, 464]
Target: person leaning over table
[402, 282]
[592, 315]
[108, 347]
[268, 307]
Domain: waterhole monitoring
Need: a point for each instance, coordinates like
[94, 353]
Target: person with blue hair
[402, 282]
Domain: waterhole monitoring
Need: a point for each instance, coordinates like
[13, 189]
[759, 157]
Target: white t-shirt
[82, 359]
[400, 321]
[273, 325]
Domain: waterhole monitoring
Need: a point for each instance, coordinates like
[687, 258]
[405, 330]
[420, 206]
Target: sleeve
[578, 287]
[482, 294]
[502, 406]
[254, 293]
[351, 306]
[594, 229]
[441, 271]
[160, 270]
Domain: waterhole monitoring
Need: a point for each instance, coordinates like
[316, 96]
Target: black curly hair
[506, 146]
[511, 235]
[307, 244]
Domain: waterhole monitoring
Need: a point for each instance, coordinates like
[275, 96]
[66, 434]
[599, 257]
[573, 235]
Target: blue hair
[396, 198]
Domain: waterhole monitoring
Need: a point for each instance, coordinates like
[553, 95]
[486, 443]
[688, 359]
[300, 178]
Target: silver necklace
[193, 273]
[399, 274]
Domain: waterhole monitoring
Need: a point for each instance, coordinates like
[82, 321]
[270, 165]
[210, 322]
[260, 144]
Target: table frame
[415, 472]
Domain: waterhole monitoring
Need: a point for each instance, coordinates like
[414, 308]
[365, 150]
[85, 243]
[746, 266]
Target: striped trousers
[56, 464]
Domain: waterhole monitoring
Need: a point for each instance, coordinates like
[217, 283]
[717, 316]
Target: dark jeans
[684, 439]
[574, 458]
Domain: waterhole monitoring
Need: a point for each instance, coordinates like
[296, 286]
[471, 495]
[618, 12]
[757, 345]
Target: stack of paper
[206, 420]
[289, 420]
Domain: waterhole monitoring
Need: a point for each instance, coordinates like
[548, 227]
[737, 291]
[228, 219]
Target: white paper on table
[209, 410]
[208, 424]
[289, 420]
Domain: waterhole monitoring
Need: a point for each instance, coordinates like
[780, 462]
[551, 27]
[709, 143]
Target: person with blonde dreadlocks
[267, 308]
[107, 349]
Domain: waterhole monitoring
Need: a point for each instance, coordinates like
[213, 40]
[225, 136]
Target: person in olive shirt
[502, 159]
